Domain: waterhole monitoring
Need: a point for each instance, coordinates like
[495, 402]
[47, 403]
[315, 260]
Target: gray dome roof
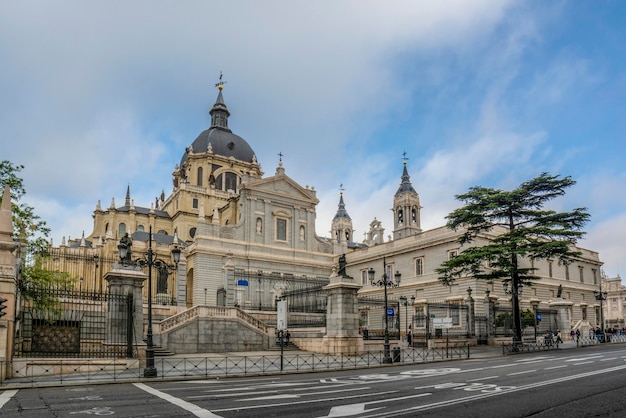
[223, 142]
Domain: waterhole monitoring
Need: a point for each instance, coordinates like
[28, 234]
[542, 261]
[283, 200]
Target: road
[572, 383]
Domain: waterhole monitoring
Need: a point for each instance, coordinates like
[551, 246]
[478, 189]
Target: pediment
[280, 186]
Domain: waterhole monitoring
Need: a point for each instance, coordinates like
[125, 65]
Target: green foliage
[36, 289]
[522, 229]
[506, 319]
[528, 318]
[28, 228]
[32, 233]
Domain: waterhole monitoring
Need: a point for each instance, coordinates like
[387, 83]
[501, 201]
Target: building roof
[221, 139]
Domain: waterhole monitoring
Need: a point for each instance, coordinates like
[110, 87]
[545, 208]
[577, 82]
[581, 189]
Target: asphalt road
[573, 383]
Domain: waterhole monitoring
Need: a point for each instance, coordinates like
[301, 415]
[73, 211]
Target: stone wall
[214, 335]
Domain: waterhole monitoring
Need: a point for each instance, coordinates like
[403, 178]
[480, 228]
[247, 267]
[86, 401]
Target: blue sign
[242, 283]
[538, 317]
[390, 312]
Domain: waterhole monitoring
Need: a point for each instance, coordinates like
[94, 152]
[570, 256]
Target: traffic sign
[390, 312]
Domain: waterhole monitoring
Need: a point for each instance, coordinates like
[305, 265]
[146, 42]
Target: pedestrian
[558, 337]
[572, 334]
[408, 338]
[577, 335]
[287, 335]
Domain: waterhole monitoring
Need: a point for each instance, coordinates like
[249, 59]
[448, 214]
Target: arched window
[140, 228]
[400, 216]
[192, 232]
[413, 215]
[199, 180]
[122, 229]
[230, 182]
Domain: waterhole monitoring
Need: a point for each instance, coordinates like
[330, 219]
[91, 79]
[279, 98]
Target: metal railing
[213, 366]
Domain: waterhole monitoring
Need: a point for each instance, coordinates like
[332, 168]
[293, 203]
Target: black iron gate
[62, 323]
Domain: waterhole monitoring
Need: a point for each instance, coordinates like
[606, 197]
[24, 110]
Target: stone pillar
[342, 316]
[125, 281]
[471, 320]
[563, 319]
[7, 283]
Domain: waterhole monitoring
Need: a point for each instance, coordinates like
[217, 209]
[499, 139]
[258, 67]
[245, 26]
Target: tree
[31, 232]
[523, 230]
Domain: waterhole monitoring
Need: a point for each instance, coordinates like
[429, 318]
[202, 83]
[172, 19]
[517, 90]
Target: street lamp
[515, 292]
[259, 276]
[385, 282]
[601, 296]
[150, 261]
[404, 302]
[96, 260]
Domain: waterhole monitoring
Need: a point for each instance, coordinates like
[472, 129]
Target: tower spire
[406, 206]
[342, 223]
[219, 112]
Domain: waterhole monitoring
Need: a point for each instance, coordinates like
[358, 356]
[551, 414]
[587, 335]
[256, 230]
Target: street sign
[538, 317]
[242, 283]
[442, 323]
[390, 312]
[281, 315]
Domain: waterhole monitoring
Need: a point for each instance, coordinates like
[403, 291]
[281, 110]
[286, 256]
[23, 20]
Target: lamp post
[405, 302]
[515, 292]
[150, 261]
[96, 260]
[259, 276]
[601, 296]
[385, 282]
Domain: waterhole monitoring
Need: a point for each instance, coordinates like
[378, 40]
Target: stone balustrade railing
[212, 312]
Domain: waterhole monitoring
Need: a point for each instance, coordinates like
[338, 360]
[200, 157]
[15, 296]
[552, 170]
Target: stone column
[125, 281]
[7, 283]
[563, 320]
[342, 316]
[469, 301]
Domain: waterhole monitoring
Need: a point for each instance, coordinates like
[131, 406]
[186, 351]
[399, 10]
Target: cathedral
[248, 239]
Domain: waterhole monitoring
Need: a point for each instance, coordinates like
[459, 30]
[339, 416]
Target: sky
[97, 96]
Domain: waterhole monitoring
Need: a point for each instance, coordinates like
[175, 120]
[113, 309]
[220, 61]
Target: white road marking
[484, 378]
[556, 367]
[277, 405]
[524, 372]
[187, 406]
[6, 396]
[359, 408]
[583, 362]
[610, 358]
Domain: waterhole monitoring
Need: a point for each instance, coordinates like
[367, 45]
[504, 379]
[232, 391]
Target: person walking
[559, 340]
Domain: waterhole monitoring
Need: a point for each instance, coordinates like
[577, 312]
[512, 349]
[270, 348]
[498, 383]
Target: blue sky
[99, 95]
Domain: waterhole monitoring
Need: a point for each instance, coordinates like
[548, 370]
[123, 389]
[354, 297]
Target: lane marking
[556, 367]
[484, 378]
[302, 395]
[524, 372]
[276, 405]
[508, 391]
[359, 408]
[6, 396]
[583, 362]
[187, 406]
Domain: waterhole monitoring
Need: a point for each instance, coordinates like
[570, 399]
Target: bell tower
[406, 208]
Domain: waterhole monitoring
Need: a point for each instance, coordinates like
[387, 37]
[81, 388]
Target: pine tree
[523, 228]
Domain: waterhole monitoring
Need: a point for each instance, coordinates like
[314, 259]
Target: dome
[223, 142]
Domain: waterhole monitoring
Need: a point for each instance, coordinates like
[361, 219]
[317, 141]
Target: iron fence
[176, 368]
[70, 323]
